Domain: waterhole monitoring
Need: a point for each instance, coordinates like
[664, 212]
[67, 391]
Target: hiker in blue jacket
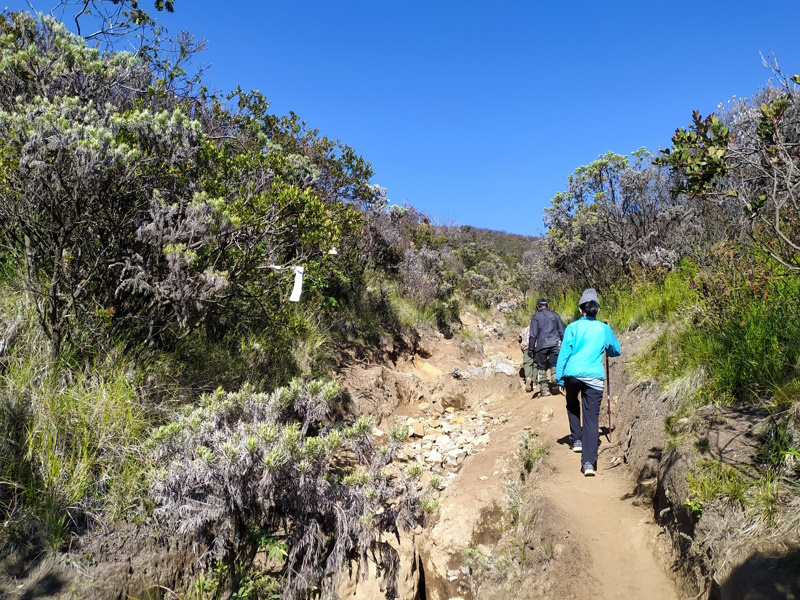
[580, 370]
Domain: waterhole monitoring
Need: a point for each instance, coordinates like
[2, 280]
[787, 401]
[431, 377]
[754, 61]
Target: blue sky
[477, 112]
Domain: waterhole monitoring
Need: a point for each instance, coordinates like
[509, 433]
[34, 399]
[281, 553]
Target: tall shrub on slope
[158, 214]
[746, 162]
[614, 211]
[87, 164]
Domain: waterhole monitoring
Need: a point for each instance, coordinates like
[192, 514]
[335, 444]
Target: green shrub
[711, 479]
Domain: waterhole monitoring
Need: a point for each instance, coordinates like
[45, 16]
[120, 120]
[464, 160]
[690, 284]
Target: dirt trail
[599, 515]
[608, 544]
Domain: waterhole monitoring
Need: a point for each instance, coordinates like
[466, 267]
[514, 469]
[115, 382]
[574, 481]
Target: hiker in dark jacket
[546, 333]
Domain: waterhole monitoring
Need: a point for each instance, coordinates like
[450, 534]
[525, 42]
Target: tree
[747, 163]
[612, 213]
[82, 160]
[125, 199]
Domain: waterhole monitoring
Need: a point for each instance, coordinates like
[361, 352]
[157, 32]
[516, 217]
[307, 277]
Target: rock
[505, 368]
[433, 457]
[418, 429]
[433, 423]
[546, 414]
[474, 370]
[377, 432]
[444, 441]
[450, 409]
[351, 586]
[456, 452]
[423, 406]
[483, 478]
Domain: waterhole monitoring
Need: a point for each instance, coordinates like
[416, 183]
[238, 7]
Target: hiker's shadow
[564, 441]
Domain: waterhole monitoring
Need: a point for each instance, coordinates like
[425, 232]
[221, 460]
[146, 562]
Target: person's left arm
[563, 355]
[612, 344]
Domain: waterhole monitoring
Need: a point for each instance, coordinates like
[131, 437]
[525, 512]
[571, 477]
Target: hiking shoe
[528, 384]
[588, 470]
[577, 446]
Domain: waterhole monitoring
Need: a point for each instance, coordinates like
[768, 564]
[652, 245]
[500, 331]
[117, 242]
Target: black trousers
[590, 401]
[547, 357]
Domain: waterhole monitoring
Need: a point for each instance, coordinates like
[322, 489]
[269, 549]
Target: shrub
[275, 461]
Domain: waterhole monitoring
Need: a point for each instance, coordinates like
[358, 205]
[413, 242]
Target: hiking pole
[608, 395]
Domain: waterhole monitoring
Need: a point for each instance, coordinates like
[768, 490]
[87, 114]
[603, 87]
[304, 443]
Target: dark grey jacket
[547, 330]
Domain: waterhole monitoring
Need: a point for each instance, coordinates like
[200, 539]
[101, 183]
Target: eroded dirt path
[607, 545]
[618, 538]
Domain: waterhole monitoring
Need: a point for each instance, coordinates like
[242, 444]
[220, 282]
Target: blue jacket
[582, 349]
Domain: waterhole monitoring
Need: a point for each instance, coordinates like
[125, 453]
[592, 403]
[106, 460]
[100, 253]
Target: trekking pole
[608, 395]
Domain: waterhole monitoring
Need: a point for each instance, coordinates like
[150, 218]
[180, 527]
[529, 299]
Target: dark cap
[541, 302]
[589, 294]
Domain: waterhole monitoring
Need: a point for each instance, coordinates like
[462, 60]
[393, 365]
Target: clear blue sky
[477, 112]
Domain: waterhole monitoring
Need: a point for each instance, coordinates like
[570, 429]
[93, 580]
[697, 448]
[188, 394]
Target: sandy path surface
[600, 516]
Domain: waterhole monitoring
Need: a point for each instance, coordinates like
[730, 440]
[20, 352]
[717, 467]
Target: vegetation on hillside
[153, 367]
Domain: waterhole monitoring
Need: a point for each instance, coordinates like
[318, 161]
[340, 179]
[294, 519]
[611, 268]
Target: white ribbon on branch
[297, 289]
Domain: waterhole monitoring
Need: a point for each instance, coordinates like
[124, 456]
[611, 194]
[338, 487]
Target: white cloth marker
[297, 289]
[298, 284]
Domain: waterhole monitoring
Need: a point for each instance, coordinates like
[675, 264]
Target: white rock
[433, 457]
[443, 441]
[505, 368]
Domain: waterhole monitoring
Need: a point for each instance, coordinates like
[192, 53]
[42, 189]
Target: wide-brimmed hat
[589, 294]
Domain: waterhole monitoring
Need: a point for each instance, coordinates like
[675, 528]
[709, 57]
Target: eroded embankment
[726, 552]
